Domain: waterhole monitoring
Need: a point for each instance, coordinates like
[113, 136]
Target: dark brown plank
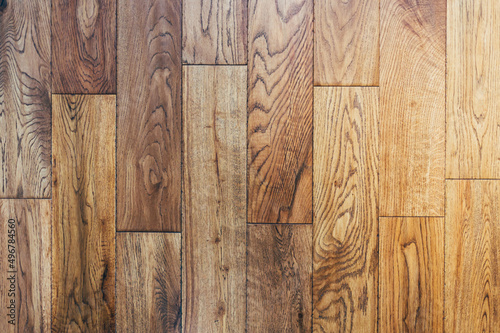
[280, 118]
[149, 116]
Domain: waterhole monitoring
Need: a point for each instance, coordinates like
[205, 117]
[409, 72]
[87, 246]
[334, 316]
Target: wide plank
[25, 265]
[412, 106]
[25, 141]
[214, 112]
[149, 116]
[345, 253]
[84, 46]
[280, 117]
[83, 213]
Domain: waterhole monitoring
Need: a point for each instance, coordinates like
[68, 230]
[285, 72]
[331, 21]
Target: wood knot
[3, 4]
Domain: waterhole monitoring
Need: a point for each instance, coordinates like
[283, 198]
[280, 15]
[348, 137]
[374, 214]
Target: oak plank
[214, 112]
[149, 116]
[83, 218]
[345, 253]
[412, 106]
[280, 117]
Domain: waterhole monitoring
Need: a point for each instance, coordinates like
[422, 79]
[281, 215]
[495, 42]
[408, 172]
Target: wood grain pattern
[279, 278]
[83, 225]
[346, 43]
[214, 114]
[214, 32]
[345, 280]
[148, 282]
[473, 120]
[29, 251]
[412, 105]
[25, 99]
[84, 46]
[280, 119]
[411, 274]
[472, 276]
[149, 116]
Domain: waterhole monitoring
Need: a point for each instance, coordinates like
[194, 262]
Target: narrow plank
[472, 276]
[473, 85]
[149, 116]
[148, 287]
[83, 216]
[214, 32]
[214, 114]
[345, 253]
[279, 278]
[280, 118]
[84, 46]
[411, 274]
[25, 253]
[25, 169]
[346, 43]
[412, 105]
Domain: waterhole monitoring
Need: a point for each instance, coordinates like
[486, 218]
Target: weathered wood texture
[149, 116]
[472, 277]
[412, 106]
[83, 46]
[148, 282]
[214, 32]
[83, 219]
[473, 86]
[346, 42]
[280, 118]
[279, 278]
[411, 274]
[25, 99]
[345, 253]
[214, 105]
[25, 246]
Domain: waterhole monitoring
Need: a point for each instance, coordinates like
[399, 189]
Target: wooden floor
[250, 166]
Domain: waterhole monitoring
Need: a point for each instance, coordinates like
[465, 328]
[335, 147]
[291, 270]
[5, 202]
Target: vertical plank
[411, 274]
[280, 118]
[346, 43]
[412, 106]
[84, 46]
[473, 120]
[345, 253]
[214, 32]
[25, 254]
[25, 169]
[148, 282]
[149, 116]
[83, 225]
[279, 278]
[214, 197]
[472, 276]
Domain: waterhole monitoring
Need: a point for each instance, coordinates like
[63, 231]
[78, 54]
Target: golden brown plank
[345, 280]
[83, 218]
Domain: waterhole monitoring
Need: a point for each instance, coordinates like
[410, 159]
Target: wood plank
[346, 43]
[473, 85]
[25, 253]
[84, 46]
[214, 32]
[279, 278]
[345, 255]
[83, 225]
[149, 116]
[472, 276]
[411, 274]
[25, 169]
[280, 118]
[214, 104]
[148, 280]
[412, 106]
